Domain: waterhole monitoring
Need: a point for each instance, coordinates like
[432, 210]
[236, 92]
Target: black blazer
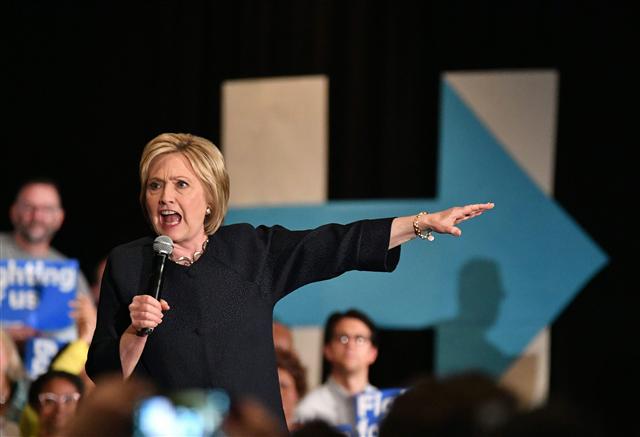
[218, 332]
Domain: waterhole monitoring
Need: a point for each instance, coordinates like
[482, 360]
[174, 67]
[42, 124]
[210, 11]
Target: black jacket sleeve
[296, 258]
[113, 320]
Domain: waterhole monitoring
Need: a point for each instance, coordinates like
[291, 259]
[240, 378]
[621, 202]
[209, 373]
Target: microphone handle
[157, 285]
[159, 275]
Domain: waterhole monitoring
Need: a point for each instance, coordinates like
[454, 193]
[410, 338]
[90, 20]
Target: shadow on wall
[462, 343]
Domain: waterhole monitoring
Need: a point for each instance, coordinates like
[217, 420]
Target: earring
[208, 211]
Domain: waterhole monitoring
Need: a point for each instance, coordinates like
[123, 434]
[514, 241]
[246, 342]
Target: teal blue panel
[489, 292]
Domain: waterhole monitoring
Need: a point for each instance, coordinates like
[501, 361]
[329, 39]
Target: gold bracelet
[416, 228]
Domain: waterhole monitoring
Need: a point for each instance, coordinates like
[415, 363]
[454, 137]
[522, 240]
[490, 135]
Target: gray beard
[45, 237]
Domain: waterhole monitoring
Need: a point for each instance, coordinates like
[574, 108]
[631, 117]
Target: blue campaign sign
[39, 352]
[37, 292]
[371, 407]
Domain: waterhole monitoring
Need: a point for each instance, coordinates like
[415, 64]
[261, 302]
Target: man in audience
[350, 347]
[37, 215]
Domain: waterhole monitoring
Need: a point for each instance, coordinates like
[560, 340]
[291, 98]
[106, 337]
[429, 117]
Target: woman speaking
[212, 326]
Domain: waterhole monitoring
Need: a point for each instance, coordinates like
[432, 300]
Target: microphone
[163, 247]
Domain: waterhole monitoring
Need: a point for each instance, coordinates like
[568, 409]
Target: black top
[218, 332]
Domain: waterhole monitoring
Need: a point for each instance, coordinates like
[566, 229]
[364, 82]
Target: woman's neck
[189, 253]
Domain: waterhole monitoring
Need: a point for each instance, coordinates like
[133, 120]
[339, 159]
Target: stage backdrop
[88, 85]
[488, 294]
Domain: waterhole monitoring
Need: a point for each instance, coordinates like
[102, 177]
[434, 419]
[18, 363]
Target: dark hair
[465, 404]
[289, 361]
[42, 380]
[45, 180]
[352, 313]
[316, 428]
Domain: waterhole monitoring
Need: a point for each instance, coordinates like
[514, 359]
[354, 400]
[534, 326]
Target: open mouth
[170, 217]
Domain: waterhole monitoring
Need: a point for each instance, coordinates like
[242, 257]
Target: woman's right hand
[146, 312]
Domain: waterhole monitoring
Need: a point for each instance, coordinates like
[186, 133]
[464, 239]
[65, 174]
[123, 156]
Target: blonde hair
[207, 162]
[14, 371]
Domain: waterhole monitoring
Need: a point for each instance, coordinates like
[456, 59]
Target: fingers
[470, 211]
[477, 208]
[444, 221]
[468, 216]
[165, 306]
[146, 312]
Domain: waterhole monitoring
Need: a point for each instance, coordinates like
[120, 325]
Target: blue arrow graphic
[489, 292]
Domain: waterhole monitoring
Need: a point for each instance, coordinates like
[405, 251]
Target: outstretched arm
[442, 222]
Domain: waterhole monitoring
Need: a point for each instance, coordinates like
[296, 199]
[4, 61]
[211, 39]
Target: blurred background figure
[71, 359]
[54, 396]
[282, 336]
[248, 417]
[13, 386]
[350, 347]
[15, 411]
[36, 216]
[317, 428]
[293, 383]
[73, 356]
[469, 404]
[109, 410]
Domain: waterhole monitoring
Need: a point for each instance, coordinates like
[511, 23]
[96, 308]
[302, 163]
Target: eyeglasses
[357, 339]
[46, 209]
[51, 399]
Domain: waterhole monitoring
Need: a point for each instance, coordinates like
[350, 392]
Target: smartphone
[197, 413]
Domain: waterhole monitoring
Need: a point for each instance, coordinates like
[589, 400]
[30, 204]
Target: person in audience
[73, 357]
[109, 410]
[350, 347]
[54, 396]
[293, 383]
[249, 417]
[37, 215]
[13, 386]
[470, 404]
[317, 428]
[282, 336]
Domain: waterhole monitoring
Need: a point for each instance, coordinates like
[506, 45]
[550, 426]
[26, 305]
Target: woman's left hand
[444, 222]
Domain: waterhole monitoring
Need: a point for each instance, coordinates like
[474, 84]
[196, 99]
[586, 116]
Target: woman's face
[175, 200]
[289, 394]
[58, 406]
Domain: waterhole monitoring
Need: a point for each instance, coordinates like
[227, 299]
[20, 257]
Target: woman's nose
[166, 196]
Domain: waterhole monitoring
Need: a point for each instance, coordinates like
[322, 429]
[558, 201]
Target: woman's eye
[182, 184]
[153, 185]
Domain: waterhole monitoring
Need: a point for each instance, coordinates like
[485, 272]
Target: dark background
[90, 83]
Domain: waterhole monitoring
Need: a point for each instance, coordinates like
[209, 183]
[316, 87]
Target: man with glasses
[36, 216]
[350, 347]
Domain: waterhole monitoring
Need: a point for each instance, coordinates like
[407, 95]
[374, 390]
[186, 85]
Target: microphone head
[163, 245]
